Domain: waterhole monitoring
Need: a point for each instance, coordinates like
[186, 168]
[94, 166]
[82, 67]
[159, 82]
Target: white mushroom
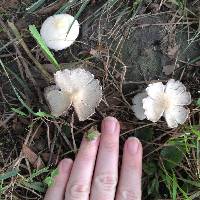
[74, 87]
[138, 105]
[60, 31]
[168, 101]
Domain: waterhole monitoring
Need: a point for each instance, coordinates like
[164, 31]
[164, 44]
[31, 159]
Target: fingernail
[66, 164]
[132, 144]
[109, 125]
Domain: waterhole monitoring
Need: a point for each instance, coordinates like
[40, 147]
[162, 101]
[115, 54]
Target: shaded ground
[126, 46]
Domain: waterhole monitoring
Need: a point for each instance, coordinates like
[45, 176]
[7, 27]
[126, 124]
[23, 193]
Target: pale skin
[93, 175]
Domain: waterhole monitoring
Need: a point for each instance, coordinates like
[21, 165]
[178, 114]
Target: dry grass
[30, 141]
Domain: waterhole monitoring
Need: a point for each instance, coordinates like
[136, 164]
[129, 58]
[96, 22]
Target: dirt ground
[126, 47]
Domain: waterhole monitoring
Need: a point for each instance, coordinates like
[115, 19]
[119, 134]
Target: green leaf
[38, 172]
[37, 186]
[172, 156]
[45, 49]
[144, 134]
[43, 114]
[19, 112]
[8, 174]
[150, 168]
[136, 3]
[198, 102]
[153, 186]
[49, 180]
[195, 131]
[92, 133]
[35, 6]
[1, 30]
[54, 172]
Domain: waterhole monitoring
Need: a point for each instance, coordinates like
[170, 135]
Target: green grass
[35, 6]
[45, 49]
[171, 157]
[172, 171]
[23, 103]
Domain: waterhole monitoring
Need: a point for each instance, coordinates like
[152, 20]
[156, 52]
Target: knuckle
[131, 164]
[111, 146]
[129, 195]
[106, 182]
[88, 155]
[77, 191]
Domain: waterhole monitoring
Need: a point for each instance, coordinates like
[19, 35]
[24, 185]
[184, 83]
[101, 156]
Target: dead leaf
[126, 126]
[51, 8]
[11, 4]
[32, 157]
[197, 63]
[172, 51]
[168, 69]
[93, 2]
[46, 157]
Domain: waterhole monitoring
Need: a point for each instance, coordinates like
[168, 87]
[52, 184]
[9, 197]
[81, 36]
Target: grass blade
[174, 186]
[82, 8]
[79, 13]
[15, 91]
[28, 52]
[34, 32]
[37, 186]
[38, 114]
[19, 112]
[8, 174]
[20, 81]
[35, 6]
[66, 7]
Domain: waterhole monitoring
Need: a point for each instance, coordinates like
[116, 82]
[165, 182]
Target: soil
[126, 56]
[142, 50]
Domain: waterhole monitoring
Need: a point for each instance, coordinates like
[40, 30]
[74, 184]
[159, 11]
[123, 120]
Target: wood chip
[32, 157]
[172, 51]
[168, 69]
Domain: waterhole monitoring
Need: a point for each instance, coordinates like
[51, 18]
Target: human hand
[94, 173]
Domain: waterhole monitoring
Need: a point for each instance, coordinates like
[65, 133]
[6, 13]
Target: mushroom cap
[177, 115]
[60, 31]
[58, 101]
[153, 104]
[153, 110]
[168, 101]
[137, 106]
[68, 80]
[77, 87]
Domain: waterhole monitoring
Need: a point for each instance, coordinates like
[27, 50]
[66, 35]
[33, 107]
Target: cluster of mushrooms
[78, 87]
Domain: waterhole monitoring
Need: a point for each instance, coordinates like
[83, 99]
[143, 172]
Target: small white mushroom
[138, 105]
[59, 31]
[74, 87]
[168, 101]
[57, 100]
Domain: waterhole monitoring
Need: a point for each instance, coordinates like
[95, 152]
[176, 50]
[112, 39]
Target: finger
[130, 178]
[78, 187]
[106, 170]
[57, 191]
